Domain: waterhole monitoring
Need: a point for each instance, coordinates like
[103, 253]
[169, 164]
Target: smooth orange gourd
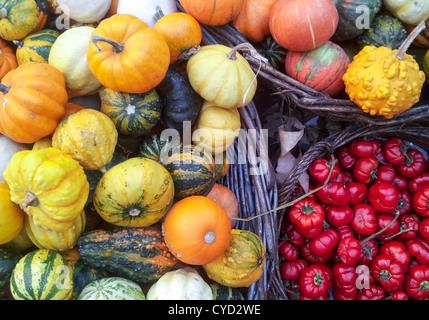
[8, 60]
[227, 199]
[213, 12]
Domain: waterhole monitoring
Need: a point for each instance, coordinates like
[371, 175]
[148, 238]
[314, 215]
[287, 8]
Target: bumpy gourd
[383, 81]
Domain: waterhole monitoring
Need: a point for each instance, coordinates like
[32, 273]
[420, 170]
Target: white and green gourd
[113, 288]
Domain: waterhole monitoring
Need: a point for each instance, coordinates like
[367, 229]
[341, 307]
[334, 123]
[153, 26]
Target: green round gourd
[8, 261]
[385, 31]
[112, 288]
[83, 275]
[132, 114]
[221, 292]
[158, 147]
[36, 47]
[351, 13]
[271, 50]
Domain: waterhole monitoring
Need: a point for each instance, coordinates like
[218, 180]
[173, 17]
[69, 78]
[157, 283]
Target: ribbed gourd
[36, 47]
[112, 288]
[385, 82]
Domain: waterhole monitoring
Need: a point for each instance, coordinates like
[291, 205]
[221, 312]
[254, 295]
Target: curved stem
[118, 47]
[382, 230]
[30, 199]
[158, 14]
[4, 89]
[410, 39]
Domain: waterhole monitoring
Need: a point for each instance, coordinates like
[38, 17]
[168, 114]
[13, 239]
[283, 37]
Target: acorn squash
[36, 47]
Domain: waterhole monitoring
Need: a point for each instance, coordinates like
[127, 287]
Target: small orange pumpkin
[33, 98]
[181, 32]
[227, 200]
[196, 230]
[8, 60]
[213, 12]
[126, 55]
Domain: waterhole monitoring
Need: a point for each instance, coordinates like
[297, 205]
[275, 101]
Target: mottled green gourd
[36, 47]
[8, 260]
[83, 275]
[221, 292]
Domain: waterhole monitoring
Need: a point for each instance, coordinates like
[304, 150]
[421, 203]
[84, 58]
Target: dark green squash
[353, 16]
[133, 114]
[93, 176]
[271, 50]
[385, 31]
[138, 254]
[8, 260]
[221, 292]
[160, 146]
[181, 102]
[83, 275]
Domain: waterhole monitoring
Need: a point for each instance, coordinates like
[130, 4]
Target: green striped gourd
[133, 114]
[8, 260]
[159, 147]
[113, 288]
[275, 53]
[42, 275]
[36, 47]
[225, 293]
[138, 254]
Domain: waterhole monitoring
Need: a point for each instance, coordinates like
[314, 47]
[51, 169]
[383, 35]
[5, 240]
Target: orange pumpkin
[43, 7]
[71, 107]
[196, 230]
[252, 21]
[33, 97]
[126, 55]
[227, 199]
[213, 12]
[181, 32]
[8, 60]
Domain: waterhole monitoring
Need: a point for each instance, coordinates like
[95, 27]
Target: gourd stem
[30, 199]
[4, 89]
[158, 14]
[186, 55]
[246, 46]
[3, 13]
[18, 43]
[411, 37]
[118, 47]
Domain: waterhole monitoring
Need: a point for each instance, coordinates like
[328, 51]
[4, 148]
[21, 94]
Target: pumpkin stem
[18, 43]
[186, 55]
[118, 47]
[4, 89]
[158, 14]
[30, 199]
[210, 237]
[411, 37]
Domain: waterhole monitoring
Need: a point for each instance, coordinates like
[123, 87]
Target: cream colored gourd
[85, 11]
[145, 10]
[181, 284]
[8, 148]
[408, 11]
[69, 55]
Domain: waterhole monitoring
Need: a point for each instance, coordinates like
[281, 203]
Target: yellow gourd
[11, 216]
[49, 185]
[385, 82]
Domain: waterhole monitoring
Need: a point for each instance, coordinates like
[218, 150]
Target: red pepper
[345, 159]
[324, 243]
[288, 250]
[310, 234]
[338, 216]
[397, 251]
[345, 281]
[364, 219]
[344, 177]
[308, 256]
[399, 295]
[383, 196]
[389, 223]
[416, 183]
[315, 281]
[344, 232]
[290, 270]
[405, 203]
[374, 292]
[409, 227]
[400, 183]
[416, 282]
[369, 251]
[419, 249]
[424, 229]
[358, 192]
[349, 250]
[319, 169]
[364, 148]
[306, 214]
[365, 169]
[292, 235]
[421, 201]
[387, 271]
[394, 150]
[334, 193]
[413, 165]
[386, 173]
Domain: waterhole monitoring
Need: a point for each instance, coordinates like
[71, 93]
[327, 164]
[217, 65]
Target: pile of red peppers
[362, 232]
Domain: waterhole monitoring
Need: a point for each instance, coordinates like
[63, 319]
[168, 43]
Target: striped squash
[36, 47]
[192, 170]
[225, 293]
[82, 276]
[113, 288]
[42, 275]
[57, 241]
[159, 147]
[138, 254]
[8, 260]
[135, 193]
[271, 50]
[17, 18]
[242, 263]
[133, 114]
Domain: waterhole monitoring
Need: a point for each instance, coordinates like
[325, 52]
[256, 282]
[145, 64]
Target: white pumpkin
[8, 148]
[85, 11]
[145, 9]
[69, 55]
[408, 11]
[180, 284]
